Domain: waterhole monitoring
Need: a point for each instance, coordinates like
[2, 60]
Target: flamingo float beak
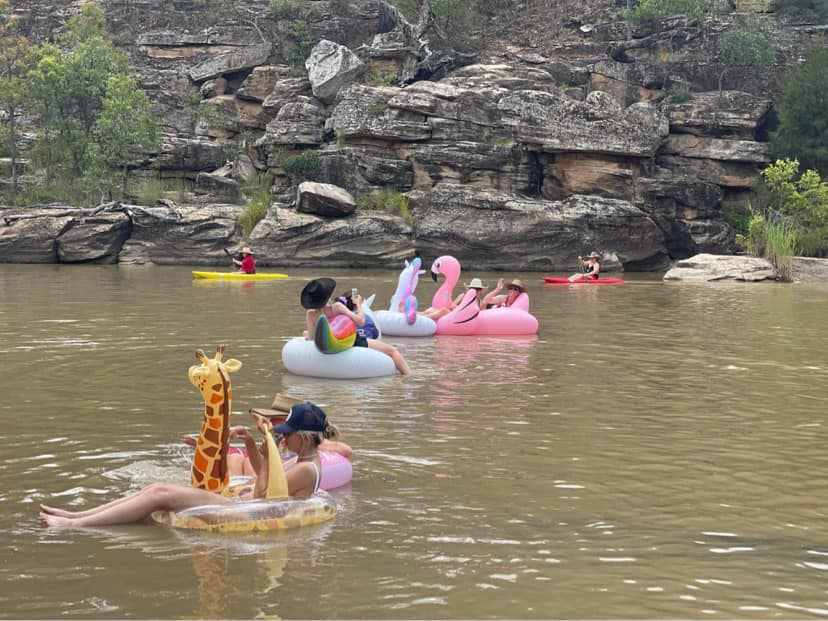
[434, 276]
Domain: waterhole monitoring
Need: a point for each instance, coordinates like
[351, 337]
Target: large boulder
[704, 147]
[300, 122]
[94, 239]
[365, 112]
[324, 199]
[259, 84]
[289, 238]
[232, 62]
[331, 68]
[285, 91]
[711, 267]
[180, 234]
[190, 154]
[363, 168]
[734, 113]
[30, 236]
[554, 122]
[488, 229]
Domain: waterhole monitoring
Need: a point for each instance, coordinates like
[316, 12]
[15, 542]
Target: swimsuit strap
[318, 477]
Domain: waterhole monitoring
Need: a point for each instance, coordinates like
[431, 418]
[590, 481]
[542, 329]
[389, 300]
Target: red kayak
[563, 280]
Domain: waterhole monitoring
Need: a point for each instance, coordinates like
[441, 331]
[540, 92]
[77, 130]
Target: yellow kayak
[238, 276]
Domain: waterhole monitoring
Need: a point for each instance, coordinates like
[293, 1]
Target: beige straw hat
[517, 283]
[475, 283]
[246, 250]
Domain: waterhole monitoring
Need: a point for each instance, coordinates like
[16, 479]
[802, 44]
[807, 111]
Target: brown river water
[657, 451]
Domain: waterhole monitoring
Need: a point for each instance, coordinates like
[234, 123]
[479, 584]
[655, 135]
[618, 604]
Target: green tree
[803, 115]
[16, 58]
[69, 87]
[801, 200]
[747, 45]
[126, 126]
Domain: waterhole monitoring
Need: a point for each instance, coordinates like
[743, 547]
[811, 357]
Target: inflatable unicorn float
[401, 318]
[466, 319]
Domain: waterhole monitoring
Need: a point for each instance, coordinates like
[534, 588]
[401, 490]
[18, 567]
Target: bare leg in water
[135, 508]
[390, 350]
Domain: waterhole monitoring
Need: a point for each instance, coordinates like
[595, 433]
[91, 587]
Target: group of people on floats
[304, 432]
[493, 299]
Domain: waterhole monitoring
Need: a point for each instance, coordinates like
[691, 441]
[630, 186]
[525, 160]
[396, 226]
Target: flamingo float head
[449, 267]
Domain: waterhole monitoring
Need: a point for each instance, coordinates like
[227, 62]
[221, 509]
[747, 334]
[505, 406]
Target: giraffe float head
[212, 378]
[210, 372]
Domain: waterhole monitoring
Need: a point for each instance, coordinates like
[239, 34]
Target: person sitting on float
[316, 299]
[435, 313]
[591, 266]
[238, 459]
[302, 480]
[247, 265]
[303, 432]
[497, 300]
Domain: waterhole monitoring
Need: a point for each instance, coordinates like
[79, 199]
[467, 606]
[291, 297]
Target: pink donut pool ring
[337, 471]
[467, 319]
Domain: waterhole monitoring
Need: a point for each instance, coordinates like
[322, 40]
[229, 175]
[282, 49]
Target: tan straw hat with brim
[246, 250]
[517, 283]
[593, 255]
[475, 283]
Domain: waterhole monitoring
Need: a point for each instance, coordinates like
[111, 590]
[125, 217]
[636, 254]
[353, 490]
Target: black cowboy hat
[317, 293]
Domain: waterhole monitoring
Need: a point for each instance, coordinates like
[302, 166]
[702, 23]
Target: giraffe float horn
[219, 353]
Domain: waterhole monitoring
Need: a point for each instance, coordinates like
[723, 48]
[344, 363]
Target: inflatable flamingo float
[467, 319]
[401, 318]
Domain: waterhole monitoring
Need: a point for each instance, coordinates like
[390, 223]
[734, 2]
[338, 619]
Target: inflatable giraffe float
[212, 378]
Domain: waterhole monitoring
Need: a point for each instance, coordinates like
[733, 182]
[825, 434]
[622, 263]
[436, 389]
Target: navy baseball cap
[303, 417]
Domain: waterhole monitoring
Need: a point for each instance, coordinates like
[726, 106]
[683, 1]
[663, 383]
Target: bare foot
[56, 511]
[54, 521]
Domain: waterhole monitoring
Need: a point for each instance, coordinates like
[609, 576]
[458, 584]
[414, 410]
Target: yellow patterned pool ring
[276, 511]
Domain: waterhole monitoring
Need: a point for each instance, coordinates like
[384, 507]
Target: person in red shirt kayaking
[248, 263]
[591, 267]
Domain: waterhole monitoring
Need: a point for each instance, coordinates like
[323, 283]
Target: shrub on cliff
[654, 9]
[387, 200]
[747, 45]
[803, 115]
[801, 199]
[302, 166]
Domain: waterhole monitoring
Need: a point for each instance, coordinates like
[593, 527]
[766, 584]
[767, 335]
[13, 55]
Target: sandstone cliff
[560, 136]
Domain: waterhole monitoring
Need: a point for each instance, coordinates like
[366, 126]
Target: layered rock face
[518, 161]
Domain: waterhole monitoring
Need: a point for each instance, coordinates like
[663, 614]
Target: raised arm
[491, 297]
[357, 317]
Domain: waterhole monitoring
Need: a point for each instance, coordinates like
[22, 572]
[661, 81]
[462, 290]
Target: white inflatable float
[401, 318]
[301, 357]
[395, 324]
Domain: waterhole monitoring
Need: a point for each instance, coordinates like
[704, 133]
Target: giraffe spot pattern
[216, 387]
[218, 470]
[210, 451]
[200, 462]
[216, 398]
